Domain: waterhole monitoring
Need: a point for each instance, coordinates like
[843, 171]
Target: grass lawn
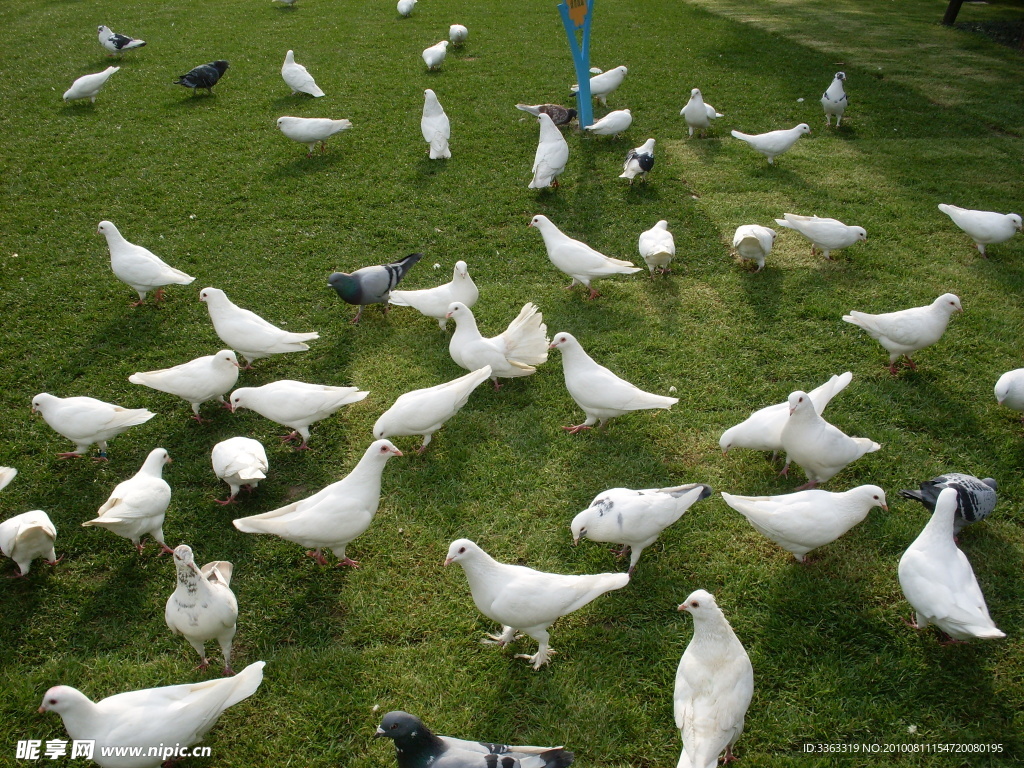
[211, 186]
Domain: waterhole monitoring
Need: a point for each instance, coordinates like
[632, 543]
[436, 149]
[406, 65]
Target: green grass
[209, 184]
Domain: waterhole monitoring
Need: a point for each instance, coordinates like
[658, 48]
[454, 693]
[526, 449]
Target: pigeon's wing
[132, 501]
[904, 327]
[298, 78]
[175, 713]
[821, 396]
[532, 598]
[601, 388]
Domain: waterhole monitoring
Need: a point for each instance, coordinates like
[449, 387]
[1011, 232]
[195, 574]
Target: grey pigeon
[559, 115]
[116, 43]
[639, 161]
[371, 285]
[416, 746]
[203, 76]
[834, 100]
[975, 498]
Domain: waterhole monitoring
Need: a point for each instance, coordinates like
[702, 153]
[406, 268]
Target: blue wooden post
[577, 14]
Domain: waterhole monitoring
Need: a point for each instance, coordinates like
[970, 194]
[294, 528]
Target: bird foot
[421, 449]
[140, 547]
[501, 640]
[55, 562]
[892, 369]
[196, 417]
[349, 562]
[204, 664]
[538, 660]
[164, 550]
[806, 486]
[317, 555]
[17, 575]
[620, 552]
[910, 623]
[729, 756]
[228, 671]
[497, 385]
[593, 295]
[951, 641]
[158, 295]
[138, 303]
[69, 455]
[576, 429]
[225, 502]
[911, 364]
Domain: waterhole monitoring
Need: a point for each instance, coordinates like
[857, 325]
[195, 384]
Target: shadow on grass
[305, 166]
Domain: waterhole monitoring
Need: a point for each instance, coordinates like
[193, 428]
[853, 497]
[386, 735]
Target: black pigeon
[371, 285]
[639, 161]
[559, 115]
[975, 498]
[205, 76]
[417, 747]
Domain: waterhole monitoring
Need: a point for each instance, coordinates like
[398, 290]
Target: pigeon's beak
[397, 452]
[448, 316]
[42, 710]
[885, 507]
[791, 411]
[378, 733]
[168, 460]
[553, 345]
[448, 560]
[682, 607]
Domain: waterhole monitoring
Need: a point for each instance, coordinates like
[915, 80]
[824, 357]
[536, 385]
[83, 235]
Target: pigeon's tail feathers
[535, 111]
[177, 277]
[739, 135]
[251, 473]
[608, 582]
[404, 265]
[866, 445]
[526, 340]
[781, 222]
[439, 148]
[906, 493]
[244, 684]
[681, 490]
[645, 400]
[6, 475]
[552, 758]
[297, 338]
[130, 417]
[218, 571]
[860, 319]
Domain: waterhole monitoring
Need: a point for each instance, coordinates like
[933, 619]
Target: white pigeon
[515, 352]
[698, 113]
[753, 242]
[116, 43]
[434, 302]
[657, 247]
[639, 161]
[87, 86]
[248, 333]
[7, 474]
[297, 77]
[773, 143]
[27, 536]
[826, 235]
[1009, 390]
[805, 520]
[202, 606]
[834, 99]
[714, 686]
[983, 227]
[434, 125]
[457, 34]
[424, 411]
[239, 461]
[139, 267]
[197, 381]
[578, 260]
[552, 154]
[405, 7]
[295, 404]
[938, 580]
[334, 516]
[634, 519]
[86, 420]
[153, 718]
[520, 598]
[433, 56]
[611, 124]
[820, 448]
[137, 506]
[600, 393]
[762, 430]
[288, 3]
[603, 84]
[908, 330]
[311, 130]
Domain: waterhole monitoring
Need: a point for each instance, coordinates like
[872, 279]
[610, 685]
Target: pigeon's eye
[383, 449]
[461, 550]
[694, 604]
[393, 726]
[53, 701]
